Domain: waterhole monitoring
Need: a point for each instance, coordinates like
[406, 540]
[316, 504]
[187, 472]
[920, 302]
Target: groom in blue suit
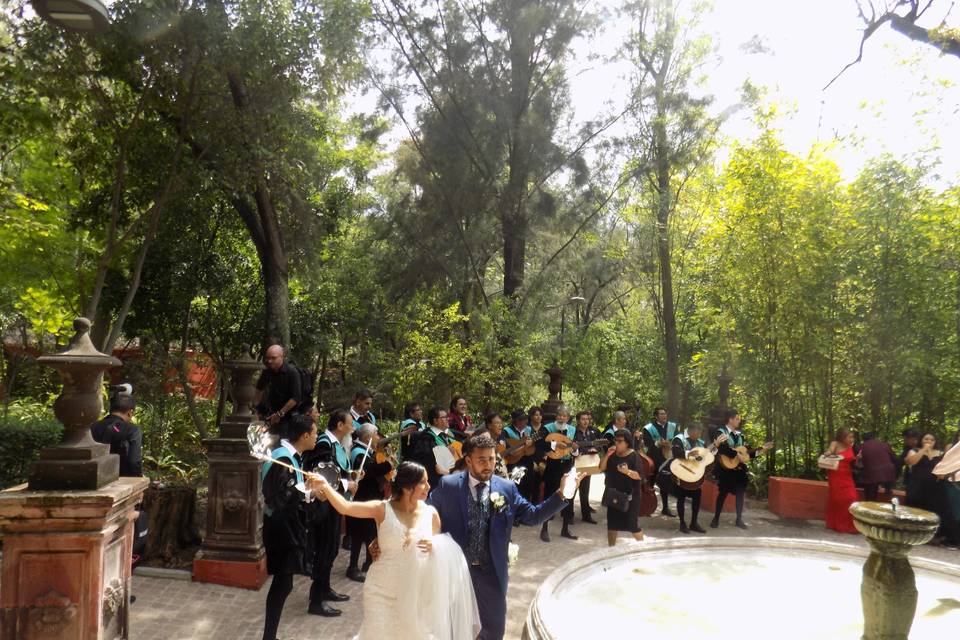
[478, 510]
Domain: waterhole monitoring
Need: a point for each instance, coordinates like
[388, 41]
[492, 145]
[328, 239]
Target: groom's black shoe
[589, 519]
[544, 534]
[333, 596]
[356, 575]
[323, 609]
[565, 533]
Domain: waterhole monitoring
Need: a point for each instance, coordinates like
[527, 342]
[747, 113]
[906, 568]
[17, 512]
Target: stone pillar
[68, 536]
[554, 388]
[232, 553]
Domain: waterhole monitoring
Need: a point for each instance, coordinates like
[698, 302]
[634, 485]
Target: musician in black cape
[437, 434]
[324, 520]
[370, 486]
[285, 535]
[682, 445]
[733, 481]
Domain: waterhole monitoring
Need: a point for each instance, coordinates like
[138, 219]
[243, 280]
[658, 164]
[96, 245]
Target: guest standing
[437, 435]
[927, 491]
[623, 471]
[280, 389]
[658, 437]
[879, 467]
[412, 424]
[843, 492]
[587, 437]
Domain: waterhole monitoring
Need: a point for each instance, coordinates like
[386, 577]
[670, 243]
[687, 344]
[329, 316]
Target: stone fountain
[889, 588]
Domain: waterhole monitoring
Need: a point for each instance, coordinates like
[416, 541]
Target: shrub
[21, 439]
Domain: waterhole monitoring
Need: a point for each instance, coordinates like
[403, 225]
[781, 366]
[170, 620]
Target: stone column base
[245, 574]
[66, 561]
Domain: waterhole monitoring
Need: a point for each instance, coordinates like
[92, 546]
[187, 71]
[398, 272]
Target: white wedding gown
[413, 595]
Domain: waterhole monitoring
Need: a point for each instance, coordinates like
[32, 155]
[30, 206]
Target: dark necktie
[478, 529]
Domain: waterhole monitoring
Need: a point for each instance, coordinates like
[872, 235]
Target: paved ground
[169, 609]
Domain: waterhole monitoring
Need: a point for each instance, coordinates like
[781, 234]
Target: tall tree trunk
[664, 209]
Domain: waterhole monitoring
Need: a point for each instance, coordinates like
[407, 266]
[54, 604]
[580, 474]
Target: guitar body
[743, 457]
[564, 445]
[515, 451]
[689, 473]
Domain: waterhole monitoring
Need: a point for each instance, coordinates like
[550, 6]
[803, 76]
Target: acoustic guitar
[742, 457]
[564, 446]
[689, 472]
[517, 449]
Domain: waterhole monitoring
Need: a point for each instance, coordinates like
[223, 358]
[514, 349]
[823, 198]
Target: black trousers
[584, 497]
[280, 588]
[491, 601]
[871, 490]
[326, 540]
[552, 476]
[665, 484]
[682, 495]
[739, 492]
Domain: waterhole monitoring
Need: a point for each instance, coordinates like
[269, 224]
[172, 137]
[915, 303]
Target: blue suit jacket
[450, 500]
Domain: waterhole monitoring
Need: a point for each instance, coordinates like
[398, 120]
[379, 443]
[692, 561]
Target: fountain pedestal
[889, 588]
[68, 537]
[232, 553]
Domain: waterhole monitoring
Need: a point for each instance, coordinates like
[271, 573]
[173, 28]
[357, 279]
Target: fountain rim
[632, 549]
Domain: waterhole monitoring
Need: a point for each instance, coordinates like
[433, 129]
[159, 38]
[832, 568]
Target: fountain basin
[747, 587]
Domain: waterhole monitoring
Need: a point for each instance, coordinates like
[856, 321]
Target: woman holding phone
[624, 472]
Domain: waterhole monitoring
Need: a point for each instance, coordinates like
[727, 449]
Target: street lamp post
[82, 16]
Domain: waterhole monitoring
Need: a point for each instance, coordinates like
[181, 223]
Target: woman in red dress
[843, 492]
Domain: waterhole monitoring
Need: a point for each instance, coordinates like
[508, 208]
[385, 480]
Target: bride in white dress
[419, 588]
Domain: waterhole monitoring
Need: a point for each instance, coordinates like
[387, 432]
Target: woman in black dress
[624, 472]
[927, 491]
[284, 519]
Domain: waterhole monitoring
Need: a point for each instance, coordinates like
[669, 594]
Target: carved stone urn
[77, 462]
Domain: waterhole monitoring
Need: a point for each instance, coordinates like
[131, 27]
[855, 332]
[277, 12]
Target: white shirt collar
[439, 432]
[473, 483]
[286, 443]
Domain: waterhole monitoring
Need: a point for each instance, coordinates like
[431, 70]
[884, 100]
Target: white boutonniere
[498, 501]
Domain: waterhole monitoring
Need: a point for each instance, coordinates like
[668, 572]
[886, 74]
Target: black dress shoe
[714, 523]
[356, 575]
[323, 609]
[740, 524]
[588, 519]
[697, 528]
[345, 543]
[668, 513]
[565, 533]
[544, 535]
[333, 596]
[683, 528]
[591, 509]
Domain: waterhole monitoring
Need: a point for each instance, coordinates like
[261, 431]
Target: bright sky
[880, 105]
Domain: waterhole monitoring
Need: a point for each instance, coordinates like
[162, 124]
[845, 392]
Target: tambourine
[329, 471]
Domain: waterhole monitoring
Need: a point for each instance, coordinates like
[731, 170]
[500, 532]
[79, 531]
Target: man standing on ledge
[279, 388]
[478, 509]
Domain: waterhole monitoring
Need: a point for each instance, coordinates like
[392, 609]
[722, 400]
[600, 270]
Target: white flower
[497, 500]
[513, 550]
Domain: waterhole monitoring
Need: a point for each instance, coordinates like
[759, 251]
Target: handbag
[615, 499]
[829, 461]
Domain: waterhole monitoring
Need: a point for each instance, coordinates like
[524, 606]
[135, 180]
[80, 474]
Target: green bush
[21, 439]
